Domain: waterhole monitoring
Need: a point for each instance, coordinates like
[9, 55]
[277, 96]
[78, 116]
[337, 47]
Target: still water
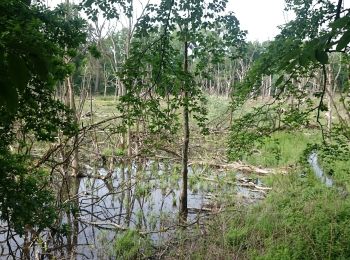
[140, 196]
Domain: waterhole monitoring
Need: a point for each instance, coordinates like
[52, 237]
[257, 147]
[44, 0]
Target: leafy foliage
[25, 201]
[301, 50]
[44, 41]
[110, 8]
[154, 75]
[299, 220]
[35, 45]
[44, 116]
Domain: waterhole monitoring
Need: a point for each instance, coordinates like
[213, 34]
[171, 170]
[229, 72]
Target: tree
[173, 43]
[297, 55]
[34, 46]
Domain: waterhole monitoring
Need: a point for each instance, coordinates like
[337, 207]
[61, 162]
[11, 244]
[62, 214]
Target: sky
[259, 17]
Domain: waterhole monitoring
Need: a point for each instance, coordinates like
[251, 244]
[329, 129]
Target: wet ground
[141, 196]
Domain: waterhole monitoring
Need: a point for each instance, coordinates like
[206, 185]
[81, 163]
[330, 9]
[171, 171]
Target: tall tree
[33, 49]
[172, 44]
[301, 51]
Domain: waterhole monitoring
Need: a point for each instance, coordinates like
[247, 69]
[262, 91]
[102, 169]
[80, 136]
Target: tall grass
[282, 149]
[300, 219]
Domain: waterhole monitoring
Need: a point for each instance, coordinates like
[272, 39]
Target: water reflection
[142, 196]
[313, 160]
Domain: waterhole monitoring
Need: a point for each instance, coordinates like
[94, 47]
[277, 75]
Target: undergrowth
[300, 219]
[281, 149]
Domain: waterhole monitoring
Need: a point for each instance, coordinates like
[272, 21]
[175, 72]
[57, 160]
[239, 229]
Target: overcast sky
[259, 17]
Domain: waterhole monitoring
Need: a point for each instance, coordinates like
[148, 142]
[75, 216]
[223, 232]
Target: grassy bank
[282, 148]
[300, 218]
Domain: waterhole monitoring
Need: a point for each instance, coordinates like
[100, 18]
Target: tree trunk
[105, 80]
[333, 79]
[97, 79]
[128, 43]
[186, 133]
[330, 96]
[70, 102]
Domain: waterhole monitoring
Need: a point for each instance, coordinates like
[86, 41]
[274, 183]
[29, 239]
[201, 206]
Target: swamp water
[135, 196]
[313, 161]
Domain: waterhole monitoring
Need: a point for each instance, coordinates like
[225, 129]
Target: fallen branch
[241, 183]
[169, 151]
[113, 226]
[252, 185]
[239, 167]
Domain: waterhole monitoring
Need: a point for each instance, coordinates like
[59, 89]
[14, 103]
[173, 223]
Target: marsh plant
[131, 245]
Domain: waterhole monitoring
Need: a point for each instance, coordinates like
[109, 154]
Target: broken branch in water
[238, 166]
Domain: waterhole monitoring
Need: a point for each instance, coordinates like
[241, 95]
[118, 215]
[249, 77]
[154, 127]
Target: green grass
[102, 107]
[217, 107]
[130, 245]
[282, 149]
[300, 219]
[338, 170]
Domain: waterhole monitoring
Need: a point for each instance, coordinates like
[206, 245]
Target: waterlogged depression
[134, 196]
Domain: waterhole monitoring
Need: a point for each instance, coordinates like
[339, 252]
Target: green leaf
[279, 80]
[9, 97]
[344, 41]
[340, 23]
[41, 66]
[304, 59]
[18, 72]
[321, 56]
[94, 51]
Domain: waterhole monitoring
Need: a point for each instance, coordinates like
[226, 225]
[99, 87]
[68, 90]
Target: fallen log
[104, 225]
[239, 167]
[252, 185]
